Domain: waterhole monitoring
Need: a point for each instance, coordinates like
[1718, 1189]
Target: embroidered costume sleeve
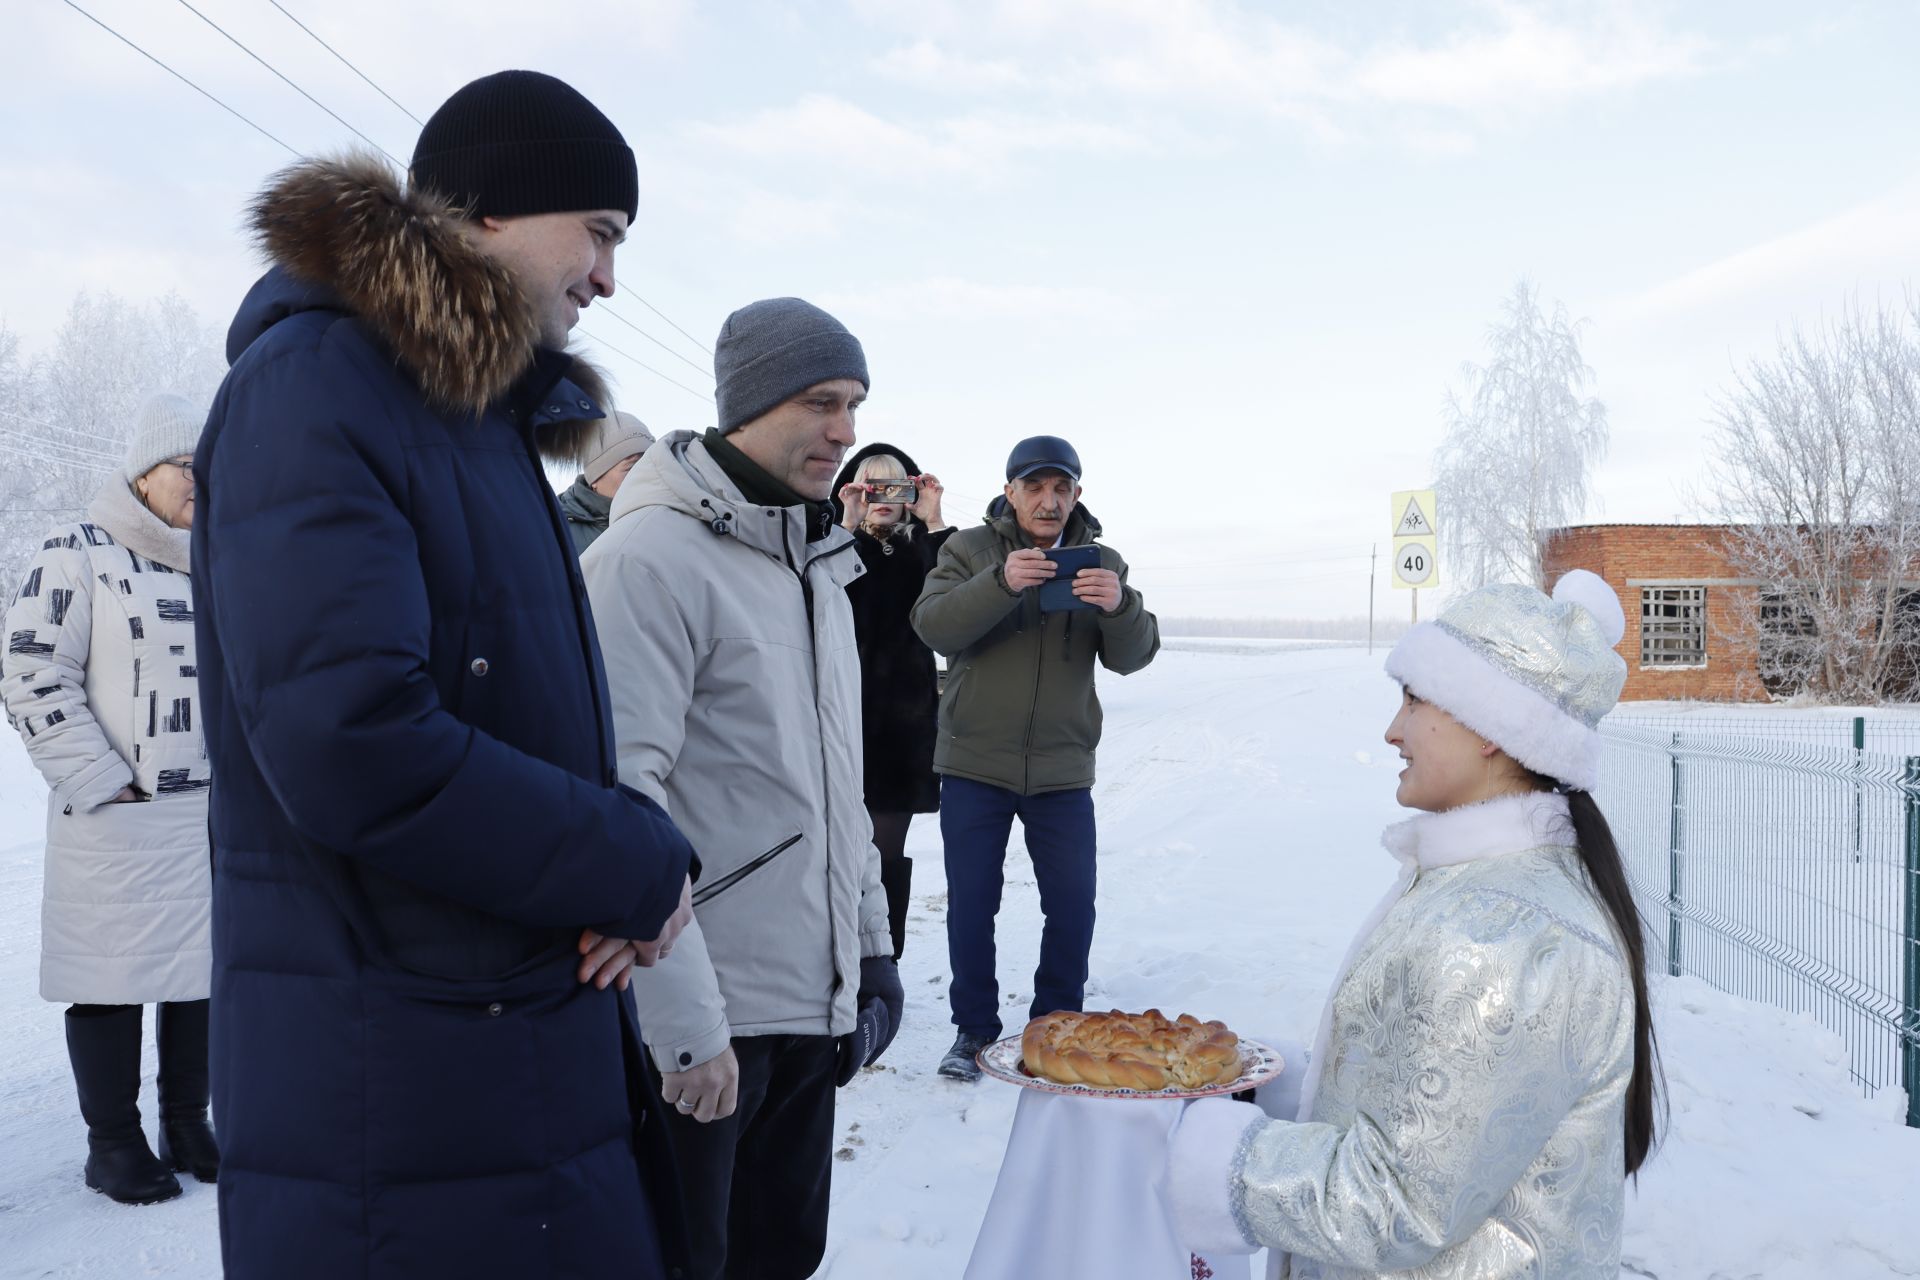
[1476, 1062]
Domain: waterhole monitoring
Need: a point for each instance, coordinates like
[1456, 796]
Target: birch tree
[1522, 439]
[66, 415]
[1819, 453]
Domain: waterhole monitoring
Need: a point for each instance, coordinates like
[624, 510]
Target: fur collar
[116, 510]
[400, 261]
[1490, 829]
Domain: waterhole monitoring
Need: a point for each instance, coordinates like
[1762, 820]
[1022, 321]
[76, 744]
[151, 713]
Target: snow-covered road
[1241, 797]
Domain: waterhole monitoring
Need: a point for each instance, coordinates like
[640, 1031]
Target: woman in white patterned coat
[98, 678]
[1483, 1078]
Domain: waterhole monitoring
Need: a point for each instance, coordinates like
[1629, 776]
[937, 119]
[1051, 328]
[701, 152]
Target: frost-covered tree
[1522, 438]
[65, 416]
[1819, 470]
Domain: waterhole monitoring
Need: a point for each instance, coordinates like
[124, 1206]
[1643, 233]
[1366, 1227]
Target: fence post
[1674, 833]
[1910, 950]
[1859, 786]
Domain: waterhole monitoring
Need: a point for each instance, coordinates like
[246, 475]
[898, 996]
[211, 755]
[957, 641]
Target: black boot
[963, 1060]
[105, 1048]
[186, 1139]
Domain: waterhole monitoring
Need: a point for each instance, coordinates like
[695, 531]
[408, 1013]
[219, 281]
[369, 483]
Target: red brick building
[1696, 630]
[1690, 620]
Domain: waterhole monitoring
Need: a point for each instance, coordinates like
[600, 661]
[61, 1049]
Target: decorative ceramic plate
[1258, 1064]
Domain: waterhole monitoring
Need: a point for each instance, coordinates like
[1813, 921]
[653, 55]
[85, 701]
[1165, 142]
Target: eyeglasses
[185, 467]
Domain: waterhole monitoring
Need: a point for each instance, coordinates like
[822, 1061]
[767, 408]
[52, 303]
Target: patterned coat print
[1463, 1115]
[99, 679]
[417, 810]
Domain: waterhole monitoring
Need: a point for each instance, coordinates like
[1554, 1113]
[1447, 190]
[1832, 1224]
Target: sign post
[1416, 561]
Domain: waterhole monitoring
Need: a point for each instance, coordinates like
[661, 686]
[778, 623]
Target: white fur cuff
[1208, 1146]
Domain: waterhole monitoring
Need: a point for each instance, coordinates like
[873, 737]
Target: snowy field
[1241, 796]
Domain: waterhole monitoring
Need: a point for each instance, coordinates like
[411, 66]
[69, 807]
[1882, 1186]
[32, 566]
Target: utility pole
[1373, 558]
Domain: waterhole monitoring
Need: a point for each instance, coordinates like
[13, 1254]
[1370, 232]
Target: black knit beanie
[519, 142]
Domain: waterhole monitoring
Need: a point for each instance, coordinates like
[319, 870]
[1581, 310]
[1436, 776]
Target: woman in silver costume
[1483, 1079]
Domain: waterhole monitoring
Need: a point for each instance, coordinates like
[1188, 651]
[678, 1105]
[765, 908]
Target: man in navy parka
[429, 886]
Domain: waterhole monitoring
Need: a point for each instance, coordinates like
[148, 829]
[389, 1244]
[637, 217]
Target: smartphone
[1056, 594]
[903, 493]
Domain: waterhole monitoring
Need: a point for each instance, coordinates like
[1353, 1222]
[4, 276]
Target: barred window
[1673, 626]
[1789, 650]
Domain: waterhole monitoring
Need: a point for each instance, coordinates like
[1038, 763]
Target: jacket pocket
[949, 718]
[745, 869]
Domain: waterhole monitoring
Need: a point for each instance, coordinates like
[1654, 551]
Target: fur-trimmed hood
[343, 234]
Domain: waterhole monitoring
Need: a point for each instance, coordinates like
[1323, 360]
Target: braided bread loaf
[1130, 1050]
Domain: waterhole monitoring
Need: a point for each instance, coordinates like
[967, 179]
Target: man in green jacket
[1019, 721]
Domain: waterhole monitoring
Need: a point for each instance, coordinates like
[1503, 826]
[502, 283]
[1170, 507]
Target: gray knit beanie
[167, 427]
[774, 349]
[615, 437]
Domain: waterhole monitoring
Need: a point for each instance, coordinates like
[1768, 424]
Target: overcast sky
[1236, 253]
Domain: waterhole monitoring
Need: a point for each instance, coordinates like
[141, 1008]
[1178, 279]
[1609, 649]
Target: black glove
[882, 1000]
[880, 981]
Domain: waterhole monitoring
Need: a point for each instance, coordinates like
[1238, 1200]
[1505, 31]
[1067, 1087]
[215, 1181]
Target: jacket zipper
[1033, 703]
[746, 869]
[826, 772]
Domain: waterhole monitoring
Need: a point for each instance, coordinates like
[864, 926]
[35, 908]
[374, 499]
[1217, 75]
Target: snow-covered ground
[1241, 797]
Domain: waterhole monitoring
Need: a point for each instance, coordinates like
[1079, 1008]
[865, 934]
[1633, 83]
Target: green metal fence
[1780, 868]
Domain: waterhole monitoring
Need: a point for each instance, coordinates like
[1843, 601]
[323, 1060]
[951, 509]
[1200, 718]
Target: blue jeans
[975, 822]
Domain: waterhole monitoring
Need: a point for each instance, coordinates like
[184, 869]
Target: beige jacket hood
[731, 658]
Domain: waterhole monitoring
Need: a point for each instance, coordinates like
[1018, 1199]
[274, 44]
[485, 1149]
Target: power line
[175, 74]
[417, 120]
[697, 368]
[238, 115]
[289, 83]
[692, 391]
[676, 328]
[343, 58]
[73, 463]
[41, 442]
[108, 454]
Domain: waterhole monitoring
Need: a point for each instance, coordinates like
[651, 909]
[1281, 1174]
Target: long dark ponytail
[1601, 856]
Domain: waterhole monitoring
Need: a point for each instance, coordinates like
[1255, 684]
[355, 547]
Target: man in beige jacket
[719, 594]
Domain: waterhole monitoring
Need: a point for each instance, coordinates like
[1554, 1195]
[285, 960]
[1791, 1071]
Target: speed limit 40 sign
[1414, 563]
[1415, 527]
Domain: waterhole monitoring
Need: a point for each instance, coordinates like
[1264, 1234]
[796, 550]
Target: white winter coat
[98, 678]
[731, 659]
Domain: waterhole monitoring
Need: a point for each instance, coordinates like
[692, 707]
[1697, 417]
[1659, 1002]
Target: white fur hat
[1530, 674]
[167, 427]
[616, 436]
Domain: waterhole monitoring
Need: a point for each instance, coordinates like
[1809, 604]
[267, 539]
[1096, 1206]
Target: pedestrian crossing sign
[1413, 514]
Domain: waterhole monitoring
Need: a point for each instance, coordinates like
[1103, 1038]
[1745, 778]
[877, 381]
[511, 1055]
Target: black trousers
[755, 1184]
[896, 870]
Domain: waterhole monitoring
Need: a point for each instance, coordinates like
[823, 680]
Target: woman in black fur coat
[898, 543]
